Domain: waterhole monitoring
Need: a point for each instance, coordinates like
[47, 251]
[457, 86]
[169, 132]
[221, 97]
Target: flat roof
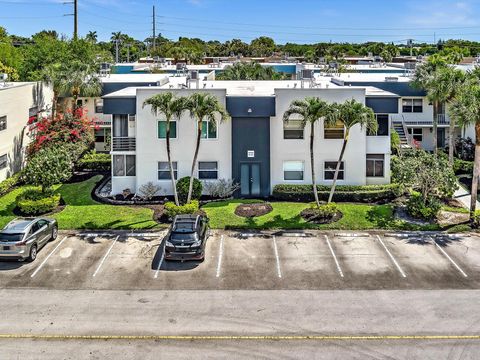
[11, 85]
[132, 77]
[371, 77]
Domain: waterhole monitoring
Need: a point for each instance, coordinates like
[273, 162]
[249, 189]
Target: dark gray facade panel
[109, 88]
[399, 88]
[382, 105]
[252, 134]
[120, 106]
[260, 106]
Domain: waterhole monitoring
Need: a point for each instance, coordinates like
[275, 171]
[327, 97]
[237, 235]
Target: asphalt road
[162, 315]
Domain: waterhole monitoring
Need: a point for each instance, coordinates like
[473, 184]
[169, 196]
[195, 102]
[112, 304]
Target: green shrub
[462, 167]
[35, 202]
[94, 161]
[394, 142]
[182, 189]
[325, 210]
[172, 210]
[343, 193]
[427, 210]
[8, 184]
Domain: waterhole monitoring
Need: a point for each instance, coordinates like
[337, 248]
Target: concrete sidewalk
[463, 195]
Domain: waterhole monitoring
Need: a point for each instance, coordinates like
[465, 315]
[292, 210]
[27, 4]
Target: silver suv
[22, 238]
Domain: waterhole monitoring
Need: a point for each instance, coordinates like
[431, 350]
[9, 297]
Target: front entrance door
[441, 137]
[249, 179]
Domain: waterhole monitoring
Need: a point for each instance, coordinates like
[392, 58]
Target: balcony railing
[442, 119]
[123, 144]
[103, 120]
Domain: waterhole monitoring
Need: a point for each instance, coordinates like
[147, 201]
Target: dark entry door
[250, 179]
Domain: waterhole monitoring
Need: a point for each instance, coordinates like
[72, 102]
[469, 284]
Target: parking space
[235, 260]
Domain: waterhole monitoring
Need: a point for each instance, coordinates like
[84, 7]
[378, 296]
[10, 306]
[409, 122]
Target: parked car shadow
[171, 265]
[11, 264]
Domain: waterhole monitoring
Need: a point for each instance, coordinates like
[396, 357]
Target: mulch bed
[253, 210]
[309, 215]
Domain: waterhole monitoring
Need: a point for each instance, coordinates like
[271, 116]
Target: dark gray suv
[22, 238]
[187, 238]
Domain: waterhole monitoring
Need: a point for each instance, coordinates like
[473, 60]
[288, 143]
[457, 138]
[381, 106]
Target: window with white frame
[383, 125]
[336, 131]
[293, 170]
[329, 170]
[375, 165]
[293, 129]
[412, 105]
[99, 106]
[3, 123]
[123, 165]
[164, 170]
[416, 134]
[208, 170]
[209, 129]
[162, 129]
[3, 161]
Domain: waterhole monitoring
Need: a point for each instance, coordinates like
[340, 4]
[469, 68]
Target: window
[164, 172]
[100, 135]
[79, 102]
[416, 133]
[207, 170]
[120, 125]
[3, 123]
[32, 114]
[382, 121]
[412, 105]
[375, 165]
[124, 165]
[162, 129]
[209, 130]
[3, 161]
[334, 131]
[293, 129]
[99, 106]
[329, 170]
[293, 170]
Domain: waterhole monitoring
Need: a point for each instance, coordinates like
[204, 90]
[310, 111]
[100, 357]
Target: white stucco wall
[15, 102]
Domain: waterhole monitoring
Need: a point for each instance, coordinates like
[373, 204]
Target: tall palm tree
[466, 109]
[170, 107]
[91, 36]
[80, 80]
[309, 111]
[54, 76]
[116, 35]
[203, 106]
[349, 114]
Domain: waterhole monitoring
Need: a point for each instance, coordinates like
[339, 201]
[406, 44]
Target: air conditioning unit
[307, 74]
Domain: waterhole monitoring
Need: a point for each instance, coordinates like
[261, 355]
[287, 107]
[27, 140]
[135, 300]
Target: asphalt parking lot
[242, 261]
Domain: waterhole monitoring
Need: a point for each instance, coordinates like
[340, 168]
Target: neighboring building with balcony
[21, 103]
[255, 147]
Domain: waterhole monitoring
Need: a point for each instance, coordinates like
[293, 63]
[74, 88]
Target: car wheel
[33, 253]
[54, 233]
[202, 259]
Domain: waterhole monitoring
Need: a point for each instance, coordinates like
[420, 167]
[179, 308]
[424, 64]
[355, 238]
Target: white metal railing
[103, 119]
[442, 119]
[123, 144]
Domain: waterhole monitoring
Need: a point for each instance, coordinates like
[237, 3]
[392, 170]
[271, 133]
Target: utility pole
[75, 19]
[154, 35]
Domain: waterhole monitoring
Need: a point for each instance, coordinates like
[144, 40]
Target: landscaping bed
[253, 210]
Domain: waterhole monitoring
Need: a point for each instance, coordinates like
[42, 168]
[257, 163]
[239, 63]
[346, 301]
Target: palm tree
[349, 114]
[202, 106]
[170, 107]
[466, 109]
[309, 111]
[54, 76]
[91, 36]
[80, 80]
[116, 35]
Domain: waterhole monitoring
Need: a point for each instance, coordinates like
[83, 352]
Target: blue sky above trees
[300, 21]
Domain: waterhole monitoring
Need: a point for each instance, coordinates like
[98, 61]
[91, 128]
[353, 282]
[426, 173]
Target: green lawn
[286, 215]
[82, 212]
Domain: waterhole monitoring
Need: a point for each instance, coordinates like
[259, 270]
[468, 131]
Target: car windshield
[183, 236]
[10, 237]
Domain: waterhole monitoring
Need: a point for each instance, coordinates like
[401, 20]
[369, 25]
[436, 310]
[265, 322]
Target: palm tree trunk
[335, 177]
[170, 165]
[476, 168]
[451, 149]
[194, 164]
[54, 104]
[312, 163]
[435, 126]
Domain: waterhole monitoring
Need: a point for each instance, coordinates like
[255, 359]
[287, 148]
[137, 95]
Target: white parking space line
[48, 257]
[105, 257]
[160, 262]
[450, 259]
[279, 271]
[220, 256]
[334, 256]
[391, 257]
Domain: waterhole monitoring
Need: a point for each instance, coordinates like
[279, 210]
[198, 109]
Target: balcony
[421, 120]
[103, 120]
[123, 144]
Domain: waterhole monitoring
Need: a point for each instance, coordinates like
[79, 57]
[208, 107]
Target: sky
[299, 21]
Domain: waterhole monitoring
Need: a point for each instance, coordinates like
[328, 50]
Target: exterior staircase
[398, 127]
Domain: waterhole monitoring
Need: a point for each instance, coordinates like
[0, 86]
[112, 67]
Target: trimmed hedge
[182, 189]
[35, 202]
[94, 161]
[343, 193]
[462, 167]
[8, 184]
[172, 210]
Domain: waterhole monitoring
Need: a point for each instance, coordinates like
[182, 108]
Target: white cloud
[442, 13]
